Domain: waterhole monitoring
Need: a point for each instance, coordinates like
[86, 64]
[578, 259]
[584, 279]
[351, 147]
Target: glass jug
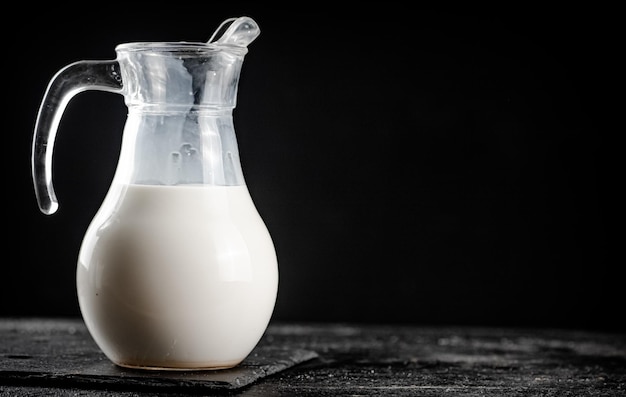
[177, 270]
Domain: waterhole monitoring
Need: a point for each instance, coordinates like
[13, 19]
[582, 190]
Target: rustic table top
[57, 357]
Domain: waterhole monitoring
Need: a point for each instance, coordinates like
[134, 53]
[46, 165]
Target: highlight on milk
[177, 270]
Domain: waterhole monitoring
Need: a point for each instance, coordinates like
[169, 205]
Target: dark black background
[413, 166]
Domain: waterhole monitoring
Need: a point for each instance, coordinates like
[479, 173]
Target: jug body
[177, 269]
[177, 276]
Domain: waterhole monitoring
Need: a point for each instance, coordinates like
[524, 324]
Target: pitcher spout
[239, 32]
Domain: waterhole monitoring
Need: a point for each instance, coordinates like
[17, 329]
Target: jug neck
[171, 147]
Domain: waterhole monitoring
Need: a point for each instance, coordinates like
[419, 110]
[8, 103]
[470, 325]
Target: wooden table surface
[57, 357]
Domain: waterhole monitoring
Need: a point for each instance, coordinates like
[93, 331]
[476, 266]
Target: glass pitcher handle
[69, 81]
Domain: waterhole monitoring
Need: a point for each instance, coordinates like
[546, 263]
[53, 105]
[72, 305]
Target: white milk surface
[177, 277]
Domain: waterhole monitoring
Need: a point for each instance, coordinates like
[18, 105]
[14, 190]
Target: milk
[177, 277]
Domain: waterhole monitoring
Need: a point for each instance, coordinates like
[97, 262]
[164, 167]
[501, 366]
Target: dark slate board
[52, 357]
[62, 354]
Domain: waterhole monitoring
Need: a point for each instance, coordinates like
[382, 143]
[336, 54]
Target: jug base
[183, 366]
